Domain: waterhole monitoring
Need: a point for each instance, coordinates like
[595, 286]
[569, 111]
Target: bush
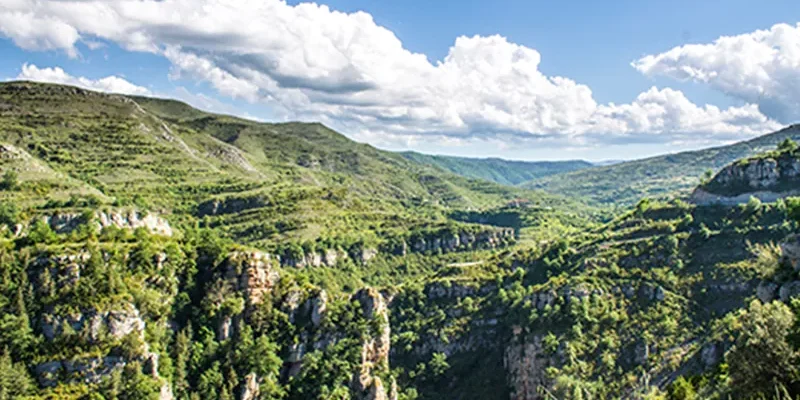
[9, 214]
[762, 356]
[41, 232]
[793, 208]
[10, 180]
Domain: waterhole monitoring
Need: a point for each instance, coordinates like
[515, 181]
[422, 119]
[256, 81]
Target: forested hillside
[153, 251]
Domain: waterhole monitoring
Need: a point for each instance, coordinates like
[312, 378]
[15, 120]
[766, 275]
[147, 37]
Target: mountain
[660, 176]
[164, 155]
[259, 257]
[505, 172]
[153, 251]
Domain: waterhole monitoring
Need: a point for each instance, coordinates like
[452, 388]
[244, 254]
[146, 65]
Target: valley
[151, 250]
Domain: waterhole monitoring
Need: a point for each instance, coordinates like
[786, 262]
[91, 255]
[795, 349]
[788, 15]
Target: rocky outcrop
[88, 370]
[253, 273]
[328, 258]
[526, 362]
[436, 242]
[122, 219]
[231, 205]
[375, 348]
[701, 197]
[447, 241]
[766, 291]
[92, 324]
[319, 305]
[766, 178]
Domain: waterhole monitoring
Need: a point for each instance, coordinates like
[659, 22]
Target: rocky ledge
[122, 219]
[766, 178]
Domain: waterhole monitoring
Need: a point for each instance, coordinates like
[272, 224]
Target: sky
[529, 80]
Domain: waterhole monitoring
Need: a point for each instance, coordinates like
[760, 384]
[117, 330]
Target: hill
[505, 172]
[660, 177]
[153, 251]
[299, 190]
[138, 229]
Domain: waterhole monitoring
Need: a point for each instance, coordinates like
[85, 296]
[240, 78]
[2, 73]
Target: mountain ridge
[657, 176]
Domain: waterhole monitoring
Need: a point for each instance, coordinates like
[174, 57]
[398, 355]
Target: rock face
[445, 242]
[130, 219]
[253, 274]
[526, 364]
[318, 306]
[231, 205]
[93, 324]
[328, 258]
[763, 178]
[88, 370]
[375, 349]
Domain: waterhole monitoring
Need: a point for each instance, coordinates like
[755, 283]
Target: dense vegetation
[151, 250]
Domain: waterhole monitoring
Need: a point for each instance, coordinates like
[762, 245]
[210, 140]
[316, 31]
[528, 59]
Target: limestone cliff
[767, 178]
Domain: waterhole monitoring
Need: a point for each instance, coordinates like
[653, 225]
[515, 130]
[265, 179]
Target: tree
[41, 232]
[682, 389]
[753, 205]
[182, 351]
[10, 180]
[9, 214]
[439, 364]
[14, 379]
[136, 385]
[707, 176]
[761, 357]
[788, 145]
[793, 208]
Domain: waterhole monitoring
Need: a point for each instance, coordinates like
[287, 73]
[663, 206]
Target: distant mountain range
[609, 181]
[498, 170]
[627, 182]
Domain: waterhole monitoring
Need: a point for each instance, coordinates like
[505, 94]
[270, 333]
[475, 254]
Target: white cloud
[111, 84]
[308, 62]
[761, 67]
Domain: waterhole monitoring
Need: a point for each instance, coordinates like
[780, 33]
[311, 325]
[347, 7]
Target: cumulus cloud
[762, 67]
[110, 84]
[309, 62]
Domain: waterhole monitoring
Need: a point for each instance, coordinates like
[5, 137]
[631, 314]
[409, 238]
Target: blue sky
[573, 79]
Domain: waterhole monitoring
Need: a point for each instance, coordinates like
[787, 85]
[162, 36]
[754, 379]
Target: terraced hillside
[262, 184]
[497, 170]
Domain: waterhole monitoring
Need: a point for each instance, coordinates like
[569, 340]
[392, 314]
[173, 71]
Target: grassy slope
[497, 170]
[656, 176]
[308, 181]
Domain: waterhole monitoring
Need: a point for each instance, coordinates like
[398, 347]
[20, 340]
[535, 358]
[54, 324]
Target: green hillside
[505, 172]
[296, 189]
[660, 177]
[149, 250]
